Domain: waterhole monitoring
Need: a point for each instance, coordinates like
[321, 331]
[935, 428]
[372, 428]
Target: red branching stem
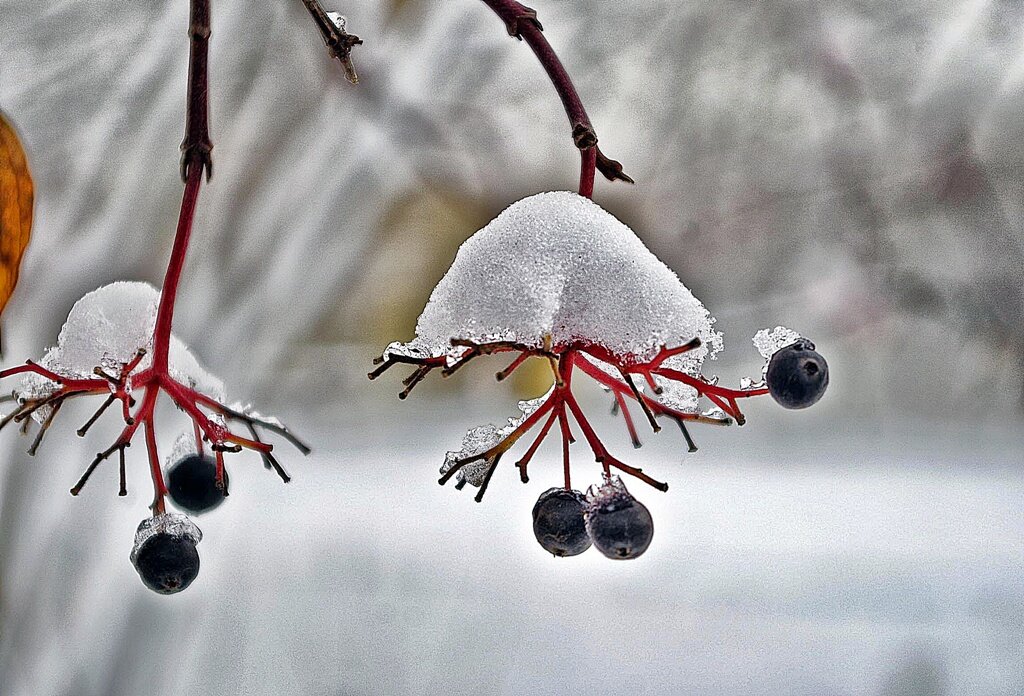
[525, 460]
[67, 384]
[722, 397]
[601, 453]
[563, 424]
[520, 359]
[591, 360]
[159, 488]
[157, 377]
[627, 417]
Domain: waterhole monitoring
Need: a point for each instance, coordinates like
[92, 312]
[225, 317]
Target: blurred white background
[851, 169]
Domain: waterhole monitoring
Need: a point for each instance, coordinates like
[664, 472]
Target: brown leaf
[16, 194]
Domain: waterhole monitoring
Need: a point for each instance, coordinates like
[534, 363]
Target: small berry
[619, 524]
[192, 484]
[558, 522]
[797, 375]
[165, 553]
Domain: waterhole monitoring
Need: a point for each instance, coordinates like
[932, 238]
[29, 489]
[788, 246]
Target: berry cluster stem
[522, 23]
[168, 296]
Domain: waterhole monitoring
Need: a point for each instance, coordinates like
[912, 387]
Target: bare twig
[196, 148]
[338, 41]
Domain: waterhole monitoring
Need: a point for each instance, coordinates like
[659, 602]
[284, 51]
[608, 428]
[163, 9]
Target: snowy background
[854, 170]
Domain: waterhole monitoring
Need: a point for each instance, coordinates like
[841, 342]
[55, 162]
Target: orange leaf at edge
[16, 196]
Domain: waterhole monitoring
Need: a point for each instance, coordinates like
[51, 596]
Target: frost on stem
[106, 349]
[556, 277]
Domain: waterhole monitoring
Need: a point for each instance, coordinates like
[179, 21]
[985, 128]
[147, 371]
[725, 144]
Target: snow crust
[105, 329]
[172, 523]
[768, 341]
[608, 496]
[184, 446]
[483, 438]
[557, 264]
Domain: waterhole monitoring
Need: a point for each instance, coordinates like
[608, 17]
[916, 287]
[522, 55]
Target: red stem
[165, 312]
[563, 423]
[588, 165]
[195, 157]
[146, 414]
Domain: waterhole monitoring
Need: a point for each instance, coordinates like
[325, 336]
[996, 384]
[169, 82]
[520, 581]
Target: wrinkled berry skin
[167, 563]
[558, 522]
[192, 484]
[620, 526]
[797, 375]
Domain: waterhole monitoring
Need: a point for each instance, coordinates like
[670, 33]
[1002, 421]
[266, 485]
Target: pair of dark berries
[165, 552]
[567, 523]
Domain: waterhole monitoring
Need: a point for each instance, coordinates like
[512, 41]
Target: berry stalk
[522, 23]
[169, 294]
[195, 157]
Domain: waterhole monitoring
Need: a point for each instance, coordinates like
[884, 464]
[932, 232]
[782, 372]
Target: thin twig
[522, 23]
[96, 416]
[45, 425]
[338, 41]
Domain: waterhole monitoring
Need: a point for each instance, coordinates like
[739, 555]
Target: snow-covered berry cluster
[557, 278]
[110, 347]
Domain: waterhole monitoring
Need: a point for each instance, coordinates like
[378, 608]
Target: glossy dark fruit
[620, 526]
[167, 562]
[797, 375]
[192, 484]
[558, 522]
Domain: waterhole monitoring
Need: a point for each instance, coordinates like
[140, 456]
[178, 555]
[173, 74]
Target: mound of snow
[557, 264]
[105, 329]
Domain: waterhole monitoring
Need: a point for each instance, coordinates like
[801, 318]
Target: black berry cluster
[165, 554]
[567, 522]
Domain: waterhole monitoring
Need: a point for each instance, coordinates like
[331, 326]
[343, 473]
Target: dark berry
[165, 553]
[619, 524]
[558, 522]
[192, 483]
[797, 375]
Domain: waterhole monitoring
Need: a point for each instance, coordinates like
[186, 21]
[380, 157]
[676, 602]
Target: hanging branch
[522, 23]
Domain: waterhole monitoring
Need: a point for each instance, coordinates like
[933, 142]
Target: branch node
[611, 169]
[584, 137]
[523, 15]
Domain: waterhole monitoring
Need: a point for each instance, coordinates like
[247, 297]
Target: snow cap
[557, 264]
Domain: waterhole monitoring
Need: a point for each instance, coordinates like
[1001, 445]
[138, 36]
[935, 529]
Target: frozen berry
[165, 553]
[619, 524]
[797, 375]
[192, 483]
[558, 522]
